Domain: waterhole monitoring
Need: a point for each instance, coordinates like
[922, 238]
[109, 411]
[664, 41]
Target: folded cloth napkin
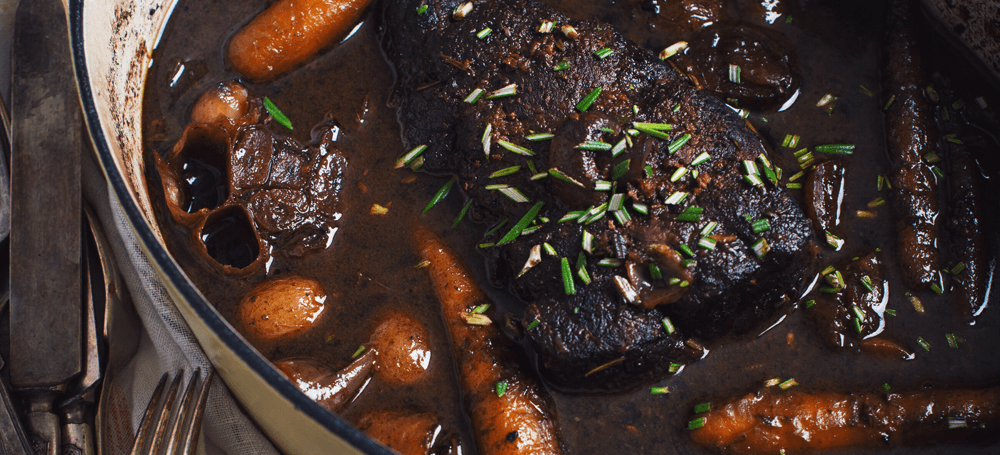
[166, 344]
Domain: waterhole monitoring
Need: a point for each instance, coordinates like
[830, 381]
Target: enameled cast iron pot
[113, 41]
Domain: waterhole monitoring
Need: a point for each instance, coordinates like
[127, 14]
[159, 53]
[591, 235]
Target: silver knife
[46, 323]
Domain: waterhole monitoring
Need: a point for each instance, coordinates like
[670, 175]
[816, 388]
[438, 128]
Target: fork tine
[194, 429]
[148, 417]
[156, 438]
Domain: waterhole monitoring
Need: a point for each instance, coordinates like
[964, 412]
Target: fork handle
[43, 430]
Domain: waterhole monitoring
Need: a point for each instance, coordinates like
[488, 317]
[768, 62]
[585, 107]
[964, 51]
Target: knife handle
[42, 426]
[77, 434]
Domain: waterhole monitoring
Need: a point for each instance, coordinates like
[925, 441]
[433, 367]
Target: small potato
[225, 105]
[289, 33]
[331, 389]
[407, 434]
[403, 350]
[281, 307]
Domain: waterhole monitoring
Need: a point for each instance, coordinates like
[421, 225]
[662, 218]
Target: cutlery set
[62, 277]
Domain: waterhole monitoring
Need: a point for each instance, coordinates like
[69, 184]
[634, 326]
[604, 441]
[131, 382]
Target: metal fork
[169, 427]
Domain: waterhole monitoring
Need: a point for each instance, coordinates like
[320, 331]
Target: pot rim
[167, 267]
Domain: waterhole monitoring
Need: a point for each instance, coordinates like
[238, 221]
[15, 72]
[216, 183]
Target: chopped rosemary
[932, 157]
[761, 225]
[515, 148]
[560, 175]
[514, 194]
[581, 268]
[696, 423]
[539, 137]
[410, 156]
[615, 204]
[588, 100]
[686, 250]
[508, 90]
[480, 309]
[484, 33]
[501, 388]
[702, 407]
[609, 262]
[603, 53]
[826, 99]
[707, 243]
[890, 311]
[676, 198]
[924, 343]
[602, 185]
[791, 141]
[709, 227]
[691, 214]
[462, 10]
[474, 96]
[952, 340]
[734, 73]
[937, 289]
[810, 303]
[772, 382]
[598, 146]
[422, 9]
[441, 194]
[867, 92]
[523, 223]
[956, 423]
[761, 248]
[668, 325]
[654, 272]
[505, 172]
[358, 352]
[643, 126]
[549, 249]
[889, 103]
[981, 101]
[277, 114]
[673, 49]
[461, 214]
[958, 268]
[659, 390]
[701, 158]
[562, 65]
[953, 138]
[788, 384]
[546, 27]
[835, 149]
[866, 214]
[567, 277]
[836, 242]
[588, 242]
[678, 143]
[640, 207]
[620, 169]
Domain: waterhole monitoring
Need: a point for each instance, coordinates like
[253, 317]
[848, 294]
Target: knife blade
[46, 263]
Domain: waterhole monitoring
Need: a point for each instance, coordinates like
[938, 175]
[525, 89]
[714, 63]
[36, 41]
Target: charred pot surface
[701, 249]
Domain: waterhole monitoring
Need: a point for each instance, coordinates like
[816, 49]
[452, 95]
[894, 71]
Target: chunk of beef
[596, 310]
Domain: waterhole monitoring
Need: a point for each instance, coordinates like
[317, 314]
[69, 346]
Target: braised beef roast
[634, 214]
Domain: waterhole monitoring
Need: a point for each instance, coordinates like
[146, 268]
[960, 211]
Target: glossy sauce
[368, 270]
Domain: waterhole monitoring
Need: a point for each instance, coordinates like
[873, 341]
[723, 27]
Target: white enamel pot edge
[112, 46]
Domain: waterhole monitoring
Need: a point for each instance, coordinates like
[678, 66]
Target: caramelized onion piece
[331, 389]
[521, 421]
[281, 307]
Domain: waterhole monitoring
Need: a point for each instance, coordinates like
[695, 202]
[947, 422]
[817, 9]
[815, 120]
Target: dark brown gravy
[369, 268]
